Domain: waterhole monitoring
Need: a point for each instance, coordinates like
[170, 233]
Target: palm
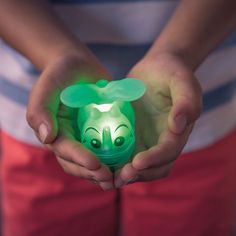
[151, 116]
[60, 121]
[164, 117]
[154, 108]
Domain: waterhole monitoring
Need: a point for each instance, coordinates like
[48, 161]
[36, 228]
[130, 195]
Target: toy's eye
[119, 141]
[95, 143]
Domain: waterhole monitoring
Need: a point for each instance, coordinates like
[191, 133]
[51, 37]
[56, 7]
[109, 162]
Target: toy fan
[106, 117]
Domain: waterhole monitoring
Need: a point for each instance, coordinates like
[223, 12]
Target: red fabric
[39, 199]
[197, 199]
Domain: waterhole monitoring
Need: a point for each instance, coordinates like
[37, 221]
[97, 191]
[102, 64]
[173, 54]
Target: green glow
[106, 117]
[104, 107]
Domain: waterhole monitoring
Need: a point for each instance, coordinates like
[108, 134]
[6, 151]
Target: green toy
[106, 118]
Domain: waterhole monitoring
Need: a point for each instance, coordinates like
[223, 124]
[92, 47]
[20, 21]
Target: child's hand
[165, 117]
[54, 124]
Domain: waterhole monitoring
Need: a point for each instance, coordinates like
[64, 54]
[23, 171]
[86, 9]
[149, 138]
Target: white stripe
[11, 69]
[212, 126]
[13, 122]
[218, 69]
[209, 128]
[123, 23]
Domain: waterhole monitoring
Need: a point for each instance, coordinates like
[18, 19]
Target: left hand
[164, 117]
[56, 124]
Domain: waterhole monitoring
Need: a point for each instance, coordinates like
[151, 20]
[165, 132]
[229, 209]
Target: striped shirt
[119, 33]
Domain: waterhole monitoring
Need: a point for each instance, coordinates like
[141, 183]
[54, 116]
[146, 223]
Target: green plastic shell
[106, 118]
[112, 129]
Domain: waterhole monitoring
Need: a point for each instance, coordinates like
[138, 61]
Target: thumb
[42, 112]
[186, 103]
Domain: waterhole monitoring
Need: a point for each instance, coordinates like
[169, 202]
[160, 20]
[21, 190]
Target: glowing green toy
[106, 117]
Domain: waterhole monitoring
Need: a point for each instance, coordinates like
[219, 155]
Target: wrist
[69, 52]
[185, 55]
[80, 62]
[165, 56]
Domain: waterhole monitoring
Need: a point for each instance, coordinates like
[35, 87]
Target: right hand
[55, 124]
[165, 116]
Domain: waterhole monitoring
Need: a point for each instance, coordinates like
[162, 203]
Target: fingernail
[107, 186]
[181, 123]
[43, 132]
[132, 180]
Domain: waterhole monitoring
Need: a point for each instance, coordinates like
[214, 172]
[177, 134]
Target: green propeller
[102, 92]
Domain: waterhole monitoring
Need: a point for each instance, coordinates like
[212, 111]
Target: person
[166, 44]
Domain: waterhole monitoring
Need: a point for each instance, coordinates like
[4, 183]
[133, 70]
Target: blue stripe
[211, 99]
[118, 58]
[229, 41]
[13, 92]
[219, 96]
[121, 58]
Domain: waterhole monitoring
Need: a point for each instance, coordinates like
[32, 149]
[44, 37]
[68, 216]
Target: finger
[187, 102]
[100, 175]
[129, 174]
[154, 173]
[107, 185]
[166, 151]
[74, 152]
[42, 109]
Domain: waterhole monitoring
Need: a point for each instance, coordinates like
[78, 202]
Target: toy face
[108, 138]
[106, 117]
[109, 135]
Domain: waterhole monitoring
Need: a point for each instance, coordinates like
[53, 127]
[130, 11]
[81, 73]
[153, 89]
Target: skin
[170, 107]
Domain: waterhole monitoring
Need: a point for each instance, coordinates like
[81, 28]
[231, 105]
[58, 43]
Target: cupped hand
[55, 124]
[165, 116]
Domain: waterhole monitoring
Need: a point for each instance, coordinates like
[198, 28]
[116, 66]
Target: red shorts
[197, 199]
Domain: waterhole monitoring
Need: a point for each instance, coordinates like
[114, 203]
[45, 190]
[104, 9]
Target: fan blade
[125, 90]
[79, 95]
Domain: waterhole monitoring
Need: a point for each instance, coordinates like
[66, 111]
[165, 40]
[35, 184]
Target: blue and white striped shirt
[119, 33]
